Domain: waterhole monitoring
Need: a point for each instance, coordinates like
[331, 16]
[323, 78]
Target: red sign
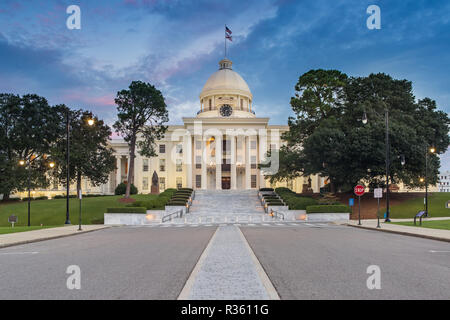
[359, 190]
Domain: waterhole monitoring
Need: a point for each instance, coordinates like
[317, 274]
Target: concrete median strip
[228, 270]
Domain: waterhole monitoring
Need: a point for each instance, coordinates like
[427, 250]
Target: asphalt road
[116, 263]
[331, 263]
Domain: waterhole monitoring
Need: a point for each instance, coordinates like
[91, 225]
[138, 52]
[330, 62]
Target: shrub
[186, 189]
[63, 196]
[127, 210]
[329, 199]
[299, 203]
[122, 187]
[340, 208]
[266, 189]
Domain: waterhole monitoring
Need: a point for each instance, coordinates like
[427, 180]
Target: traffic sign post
[351, 204]
[12, 219]
[377, 194]
[359, 191]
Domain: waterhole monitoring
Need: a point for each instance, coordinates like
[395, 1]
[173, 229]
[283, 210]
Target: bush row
[127, 210]
[337, 208]
[294, 201]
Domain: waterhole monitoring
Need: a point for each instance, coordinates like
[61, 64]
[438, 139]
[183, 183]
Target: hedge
[336, 208]
[266, 189]
[176, 203]
[127, 210]
[299, 203]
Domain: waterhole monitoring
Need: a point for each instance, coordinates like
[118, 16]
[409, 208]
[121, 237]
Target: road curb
[48, 238]
[401, 233]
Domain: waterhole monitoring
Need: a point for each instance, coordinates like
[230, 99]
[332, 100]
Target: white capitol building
[217, 149]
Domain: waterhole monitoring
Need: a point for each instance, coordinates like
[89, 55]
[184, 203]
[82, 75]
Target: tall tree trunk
[6, 196]
[131, 167]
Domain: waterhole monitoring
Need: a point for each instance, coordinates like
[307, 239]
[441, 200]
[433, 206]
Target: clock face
[226, 110]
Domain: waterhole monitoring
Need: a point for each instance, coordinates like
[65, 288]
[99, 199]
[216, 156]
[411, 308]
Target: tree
[142, 112]
[29, 127]
[90, 155]
[332, 141]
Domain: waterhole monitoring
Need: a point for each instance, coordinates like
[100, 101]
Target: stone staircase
[226, 202]
[224, 206]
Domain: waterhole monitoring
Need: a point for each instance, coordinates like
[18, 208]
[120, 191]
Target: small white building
[444, 181]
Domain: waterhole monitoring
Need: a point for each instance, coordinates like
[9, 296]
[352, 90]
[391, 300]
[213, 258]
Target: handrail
[168, 217]
[276, 214]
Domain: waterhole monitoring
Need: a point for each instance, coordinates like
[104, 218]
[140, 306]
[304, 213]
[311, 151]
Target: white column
[247, 163]
[262, 144]
[204, 177]
[233, 163]
[188, 159]
[119, 170]
[218, 162]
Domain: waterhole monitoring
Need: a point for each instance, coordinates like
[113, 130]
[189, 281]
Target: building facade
[219, 148]
[444, 181]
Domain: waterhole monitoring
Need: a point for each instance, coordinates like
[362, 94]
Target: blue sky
[176, 46]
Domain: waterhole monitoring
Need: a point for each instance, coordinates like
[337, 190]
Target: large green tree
[90, 154]
[142, 112]
[331, 140]
[29, 127]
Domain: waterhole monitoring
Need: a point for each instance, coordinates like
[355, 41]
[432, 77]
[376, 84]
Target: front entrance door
[226, 183]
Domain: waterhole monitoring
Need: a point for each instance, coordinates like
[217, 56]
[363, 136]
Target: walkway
[11, 239]
[228, 270]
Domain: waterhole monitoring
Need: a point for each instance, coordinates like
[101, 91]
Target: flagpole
[225, 38]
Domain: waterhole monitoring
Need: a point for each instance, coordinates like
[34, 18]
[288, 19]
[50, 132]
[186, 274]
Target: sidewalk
[12, 239]
[435, 234]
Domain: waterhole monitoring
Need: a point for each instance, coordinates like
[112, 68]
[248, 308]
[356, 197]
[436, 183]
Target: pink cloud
[77, 97]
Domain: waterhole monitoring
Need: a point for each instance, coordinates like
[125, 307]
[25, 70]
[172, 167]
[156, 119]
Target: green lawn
[436, 206]
[436, 224]
[5, 230]
[53, 212]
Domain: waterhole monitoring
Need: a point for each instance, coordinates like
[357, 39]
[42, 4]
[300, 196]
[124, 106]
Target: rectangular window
[162, 165]
[179, 148]
[198, 162]
[253, 181]
[210, 104]
[145, 165]
[253, 144]
[179, 182]
[253, 162]
[198, 145]
[145, 183]
[242, 104]
[162, 184]
[179, 165]
[198, 181]
[162, 148]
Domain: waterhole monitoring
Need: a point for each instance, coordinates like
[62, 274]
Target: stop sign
[359, 190]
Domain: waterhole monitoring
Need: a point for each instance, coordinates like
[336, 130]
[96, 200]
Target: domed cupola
[226, 94]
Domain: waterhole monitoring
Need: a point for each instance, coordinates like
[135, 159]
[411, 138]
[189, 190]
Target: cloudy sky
[176, 46]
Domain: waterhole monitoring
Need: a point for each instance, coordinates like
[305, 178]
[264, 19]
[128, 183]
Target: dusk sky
[176, 46]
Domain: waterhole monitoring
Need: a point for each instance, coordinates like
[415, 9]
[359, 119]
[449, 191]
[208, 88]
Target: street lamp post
[28, 162]
[68, 165]
[431, 150]
[386, 118]
[90, 122]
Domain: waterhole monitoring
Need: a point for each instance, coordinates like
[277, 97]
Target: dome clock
[226, 110]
